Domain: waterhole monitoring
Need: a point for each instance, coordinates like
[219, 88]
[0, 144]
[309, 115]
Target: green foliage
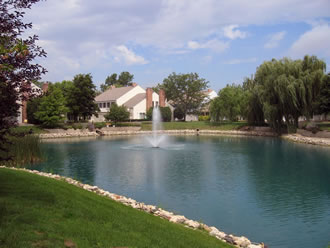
[323, 102]
[185, 91]
[41, 212]
[52, 108]
[99, 124]
[124, 79]
[204, 118]
[229, 104]
[80, 97]
[165, 112]
[117, 113]
[282, 90]
[202, 125]
[77, 126]
[24, 149]
[33, 107]
[179, 113]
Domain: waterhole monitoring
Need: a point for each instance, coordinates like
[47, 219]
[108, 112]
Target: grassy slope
[42, 212]
[203, 125]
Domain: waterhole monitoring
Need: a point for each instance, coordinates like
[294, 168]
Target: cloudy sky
[222, 40]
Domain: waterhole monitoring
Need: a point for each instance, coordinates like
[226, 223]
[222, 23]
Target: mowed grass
[202, 125]
[42, 212]
[324, 126]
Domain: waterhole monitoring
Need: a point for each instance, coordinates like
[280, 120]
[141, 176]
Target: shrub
[100, 124]
[117, 113]
[77, 126]
[204, 118]
[164, 111]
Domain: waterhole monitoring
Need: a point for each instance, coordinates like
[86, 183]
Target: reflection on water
[267, 189]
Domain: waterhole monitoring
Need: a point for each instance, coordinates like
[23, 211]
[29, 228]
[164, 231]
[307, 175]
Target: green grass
[26, 129]
[324, 126]
[22, 150]
[42, 212]
[202, 125]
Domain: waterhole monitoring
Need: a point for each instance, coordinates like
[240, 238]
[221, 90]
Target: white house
[209, 95]
[136, 99]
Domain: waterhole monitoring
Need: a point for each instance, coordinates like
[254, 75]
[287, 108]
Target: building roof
[135, 100]
[113, 94]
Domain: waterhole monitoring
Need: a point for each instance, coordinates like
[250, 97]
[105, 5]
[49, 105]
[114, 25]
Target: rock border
[291, 137]
[242, 241]
[307, 140]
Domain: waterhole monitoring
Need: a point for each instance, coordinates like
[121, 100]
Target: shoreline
[241, 241]
[297, 138]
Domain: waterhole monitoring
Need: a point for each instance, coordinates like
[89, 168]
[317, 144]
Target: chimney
[44, 87]
[161, 98]
[149, 98]
[134, 84]
[209, 90]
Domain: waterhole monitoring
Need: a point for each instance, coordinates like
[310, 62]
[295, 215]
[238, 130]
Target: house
[22, 112]
[136, 99]
[209, 95]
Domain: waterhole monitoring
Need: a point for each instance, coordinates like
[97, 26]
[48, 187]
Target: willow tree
[288, 89]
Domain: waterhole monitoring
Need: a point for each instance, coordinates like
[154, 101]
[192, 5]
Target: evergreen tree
[81, 97]
[52, 109]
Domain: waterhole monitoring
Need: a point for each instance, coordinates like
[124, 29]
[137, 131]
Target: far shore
[297, 137]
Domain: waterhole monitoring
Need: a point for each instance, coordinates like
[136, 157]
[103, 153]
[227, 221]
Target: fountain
[157, 126]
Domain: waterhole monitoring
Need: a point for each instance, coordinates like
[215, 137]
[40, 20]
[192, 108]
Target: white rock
[254, 246]
[242, 241]
[178, 219]
[215, 232]
[191, 223]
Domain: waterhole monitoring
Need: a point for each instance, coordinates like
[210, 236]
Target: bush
[204, 118]
[164, 111]
[117, 113]
[77, 126]
[33, 107]
[100, 125]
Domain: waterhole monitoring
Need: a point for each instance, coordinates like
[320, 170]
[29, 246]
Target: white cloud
[274, 39]
[233, 33]
[314, 42]
[214, 45]
[123, 54]
[240, 61]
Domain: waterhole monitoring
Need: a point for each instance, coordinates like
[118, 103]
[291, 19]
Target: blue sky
[223, 41]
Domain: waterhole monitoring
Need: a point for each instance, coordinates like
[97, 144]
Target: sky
[223, 41]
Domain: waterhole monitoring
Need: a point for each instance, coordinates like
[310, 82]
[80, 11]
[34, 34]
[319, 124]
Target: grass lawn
[324, 126]
[42, 212]
[26, 129]
[202, 125]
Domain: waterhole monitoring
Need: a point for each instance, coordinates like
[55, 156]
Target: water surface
[266, 189]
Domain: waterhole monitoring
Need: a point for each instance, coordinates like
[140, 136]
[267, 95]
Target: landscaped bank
[291, 137]
[51, 213]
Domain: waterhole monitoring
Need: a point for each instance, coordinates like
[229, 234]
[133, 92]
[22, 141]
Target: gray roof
[113, 94]
[135, 100]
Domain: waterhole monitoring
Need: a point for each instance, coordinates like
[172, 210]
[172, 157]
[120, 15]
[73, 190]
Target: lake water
[266, 189]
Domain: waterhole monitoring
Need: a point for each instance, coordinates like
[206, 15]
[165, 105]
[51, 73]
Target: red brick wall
[161, 98]
[149, 98]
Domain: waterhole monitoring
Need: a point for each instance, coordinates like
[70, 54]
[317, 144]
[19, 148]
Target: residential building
[136, 99]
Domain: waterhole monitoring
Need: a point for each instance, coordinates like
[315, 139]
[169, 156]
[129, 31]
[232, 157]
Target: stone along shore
[242, 241]
[291, 137]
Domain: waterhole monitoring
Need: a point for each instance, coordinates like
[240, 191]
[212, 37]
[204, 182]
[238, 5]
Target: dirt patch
[319, 134]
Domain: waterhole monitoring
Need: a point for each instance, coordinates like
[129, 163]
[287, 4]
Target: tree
[16, 68]
[323, 103]
[117, 113]
[165, 112]
[286, 90]
[185, 91]
[81, 97]
[33, 107]
[52, 108]
[124, 79]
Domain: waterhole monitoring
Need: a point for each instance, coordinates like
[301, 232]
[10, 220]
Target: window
[156, 104]
[100, 105]
[104, 105]
[142, 115]
[108, 105]
[153, 104]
